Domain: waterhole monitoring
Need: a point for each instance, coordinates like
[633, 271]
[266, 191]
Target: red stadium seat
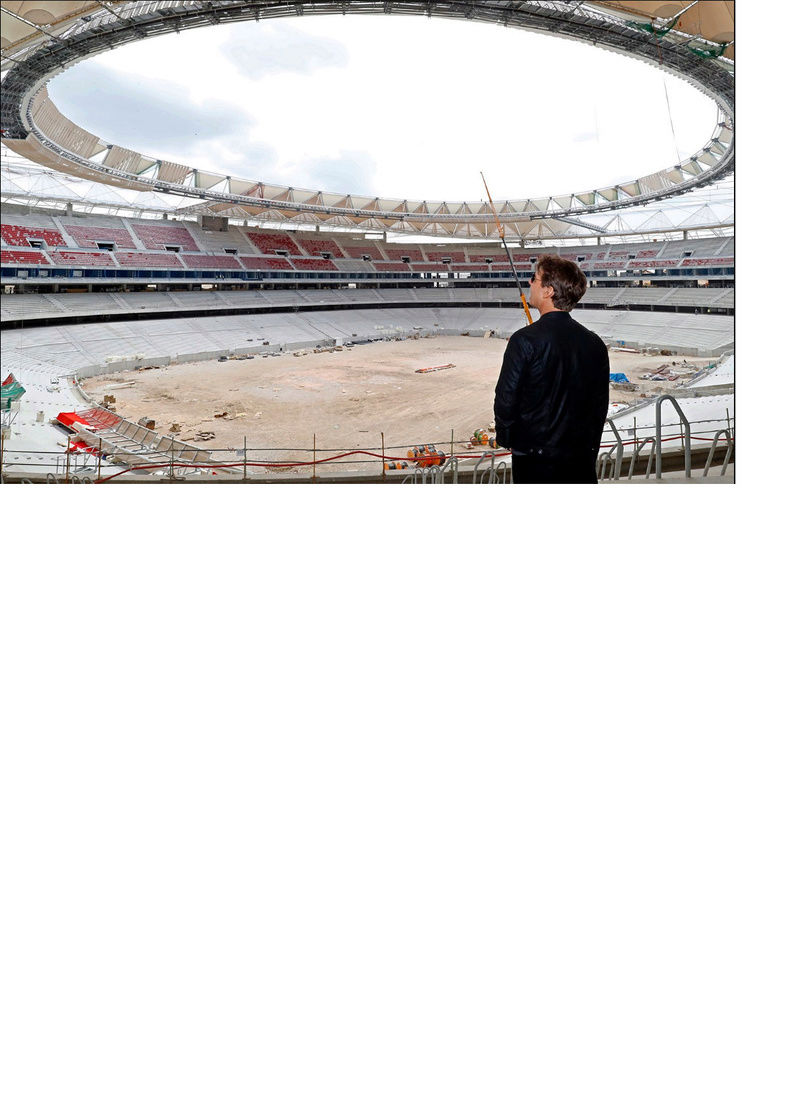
[271, 242]
[87, 235]
[414, 254]
[26, 258]
[148, 259]
[266, 263]
[314, 265]
[20, 235]
[83, 259]
[317, 247]
[165, 233]
[218, 262]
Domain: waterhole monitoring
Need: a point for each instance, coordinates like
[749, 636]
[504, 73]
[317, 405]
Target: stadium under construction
[163, 324]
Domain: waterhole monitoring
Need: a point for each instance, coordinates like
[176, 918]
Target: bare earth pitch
[347, 398]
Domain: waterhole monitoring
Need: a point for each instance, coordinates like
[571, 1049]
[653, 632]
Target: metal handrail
[726, 433]
[605, 458]
[651, 441]
[491, 474]
[602, 460]
[687, 430]
[433, 473]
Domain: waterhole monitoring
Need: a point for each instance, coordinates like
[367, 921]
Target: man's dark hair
[566, 278]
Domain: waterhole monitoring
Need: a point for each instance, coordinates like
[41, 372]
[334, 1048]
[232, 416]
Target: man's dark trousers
[536, 468]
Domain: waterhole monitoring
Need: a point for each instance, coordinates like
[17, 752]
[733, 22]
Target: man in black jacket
[551, 400]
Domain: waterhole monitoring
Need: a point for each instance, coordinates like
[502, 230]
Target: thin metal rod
[502, 235]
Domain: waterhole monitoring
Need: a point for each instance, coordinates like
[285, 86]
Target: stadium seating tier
[19, 235]
[166, 233]
[87, 236]
[318, 247]
[270, 242]
[26, 258]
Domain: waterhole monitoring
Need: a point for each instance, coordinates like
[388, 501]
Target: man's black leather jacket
[552, 394]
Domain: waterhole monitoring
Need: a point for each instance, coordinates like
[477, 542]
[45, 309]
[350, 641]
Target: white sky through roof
[401, 106]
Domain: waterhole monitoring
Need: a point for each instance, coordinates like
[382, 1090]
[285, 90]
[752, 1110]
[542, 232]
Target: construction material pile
[423, 456]
[483, 437]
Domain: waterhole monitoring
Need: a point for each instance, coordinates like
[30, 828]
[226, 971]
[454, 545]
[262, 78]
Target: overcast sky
[403, 107]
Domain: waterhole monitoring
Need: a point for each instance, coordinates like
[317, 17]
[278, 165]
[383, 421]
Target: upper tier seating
[19, 235]
[87, 235]
[352, 266]
[270, 242]
[265, 263]
[83, 259]
[159, 235]
[148, 259]
[441, 256]
[317, 247]
[314, 265]
[705, 262]
[414, 254]
[355, 251]
[202, 249]
[27, 258]
[218, 262]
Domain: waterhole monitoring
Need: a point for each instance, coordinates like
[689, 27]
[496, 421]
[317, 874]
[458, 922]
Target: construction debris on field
[436, 367]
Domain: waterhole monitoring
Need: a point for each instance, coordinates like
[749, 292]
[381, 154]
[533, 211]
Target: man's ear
[548, 292]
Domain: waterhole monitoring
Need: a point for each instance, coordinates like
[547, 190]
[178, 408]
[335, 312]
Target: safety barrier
[497, 472]
[658, 440]
[651, 441]
[130, 453]
[604, 458]
[687, 430]
[726, 433]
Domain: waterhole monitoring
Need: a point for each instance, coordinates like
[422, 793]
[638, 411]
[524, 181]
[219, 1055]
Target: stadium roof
[42, 37]
[27, 21]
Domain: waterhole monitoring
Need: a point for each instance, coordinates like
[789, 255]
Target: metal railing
[726, 433]
[604, 459]
[687, 432]
[651, 441]
[105, 462]
[496, 471]
[691, 436]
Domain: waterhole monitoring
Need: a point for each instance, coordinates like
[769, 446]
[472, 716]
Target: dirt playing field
[347, 397]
